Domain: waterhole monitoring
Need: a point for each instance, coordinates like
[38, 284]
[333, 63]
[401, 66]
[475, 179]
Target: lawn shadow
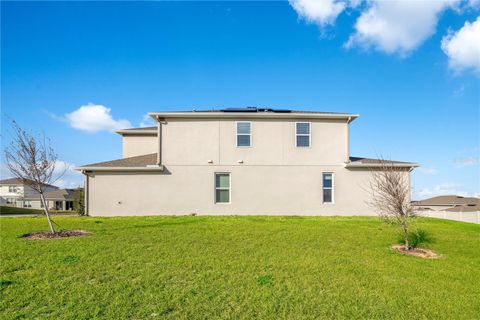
[5, 283]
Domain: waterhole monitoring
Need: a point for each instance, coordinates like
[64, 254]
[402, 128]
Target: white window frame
[243, 134]
[303, 135]
[9, 200]
[220, 188]
[29, 203]
[10, 188]
[327, 188]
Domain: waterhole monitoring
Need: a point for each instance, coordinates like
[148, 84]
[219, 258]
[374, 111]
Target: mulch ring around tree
[417, 252]
[58, 234]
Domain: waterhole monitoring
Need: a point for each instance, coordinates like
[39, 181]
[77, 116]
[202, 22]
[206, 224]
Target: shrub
[79, 202]
[417, 238]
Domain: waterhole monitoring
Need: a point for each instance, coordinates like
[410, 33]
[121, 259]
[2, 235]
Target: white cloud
[356, 3]
[320, 12]
[93, 118]
[427, 170]
[459, 92]
[147, 121]
[474, 4]
[447, 188]
[465, 162]
[397, 26]
[71, 178]
[463, 47]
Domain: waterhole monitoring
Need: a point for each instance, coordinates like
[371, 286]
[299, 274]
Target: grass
[15, 210]
[236, 267]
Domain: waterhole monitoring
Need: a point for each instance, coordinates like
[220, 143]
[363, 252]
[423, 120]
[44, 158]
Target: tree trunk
[405, 231]
[42, 198]
[407, 246]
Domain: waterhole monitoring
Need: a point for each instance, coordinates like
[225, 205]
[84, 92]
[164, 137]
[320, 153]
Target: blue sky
[418, 100]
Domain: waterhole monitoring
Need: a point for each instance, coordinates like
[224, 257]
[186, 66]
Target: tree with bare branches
[390, 196]
[33, 160]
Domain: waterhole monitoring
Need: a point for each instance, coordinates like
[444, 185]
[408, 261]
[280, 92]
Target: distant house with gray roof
[16, 192]
[451, 203]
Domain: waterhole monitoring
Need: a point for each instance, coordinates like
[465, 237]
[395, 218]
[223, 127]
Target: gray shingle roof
[142, 128]
[151, 159]
[369, 161]
[17, 181]
[138, 161]
[448, 200]
[60, 194]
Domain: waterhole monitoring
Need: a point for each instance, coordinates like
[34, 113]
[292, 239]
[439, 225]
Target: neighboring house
[450, 203]
[244, 161]
[15, 192]
[60, 199]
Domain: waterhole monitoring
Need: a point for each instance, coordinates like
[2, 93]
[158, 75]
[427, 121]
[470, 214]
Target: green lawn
[15, 210]
[236, 267]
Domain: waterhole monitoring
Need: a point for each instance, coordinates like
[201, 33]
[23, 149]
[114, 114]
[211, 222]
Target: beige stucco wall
[36, 204]
[137, 145]
[255, 190]
[274, 178]
[194, 142]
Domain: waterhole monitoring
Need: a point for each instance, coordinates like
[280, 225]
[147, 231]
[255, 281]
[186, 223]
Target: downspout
[410, 184]
[86, 193]
[348, 138]
[159, 137]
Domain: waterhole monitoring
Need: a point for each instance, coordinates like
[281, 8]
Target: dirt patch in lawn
[58, 234]
[417, 252]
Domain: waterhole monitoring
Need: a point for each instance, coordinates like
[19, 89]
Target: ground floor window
[27, 204]
[11, 201]
[327, 187]
[222, 187]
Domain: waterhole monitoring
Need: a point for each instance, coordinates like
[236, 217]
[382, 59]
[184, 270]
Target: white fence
[470, 217]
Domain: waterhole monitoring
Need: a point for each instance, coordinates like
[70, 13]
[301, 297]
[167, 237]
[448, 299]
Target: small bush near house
[417, 238]
[79, 203]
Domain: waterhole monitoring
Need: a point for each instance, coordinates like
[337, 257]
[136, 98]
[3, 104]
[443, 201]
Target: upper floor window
[12, 189]
[244, 134]
[302, 134]
[222, 187]
[327, 187]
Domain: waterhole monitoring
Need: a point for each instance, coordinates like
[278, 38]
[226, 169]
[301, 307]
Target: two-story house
[16, 192]
[245, 161]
